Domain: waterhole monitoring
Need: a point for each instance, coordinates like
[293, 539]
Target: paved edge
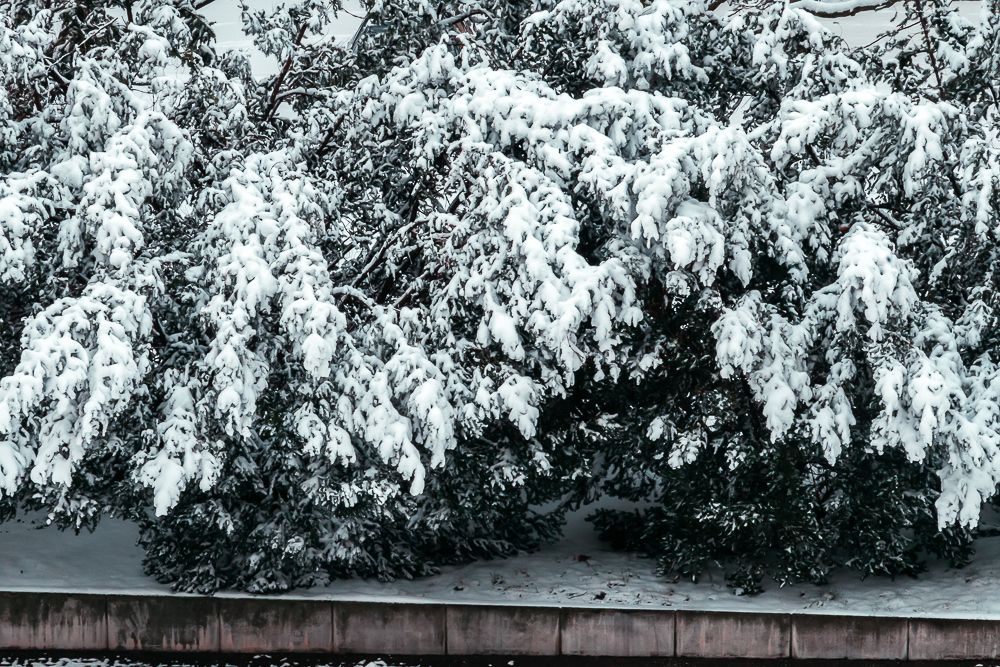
[49, 621]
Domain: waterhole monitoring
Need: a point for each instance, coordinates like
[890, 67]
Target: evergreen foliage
[363, 317]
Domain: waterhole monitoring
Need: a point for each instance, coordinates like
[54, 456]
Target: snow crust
[578, 571]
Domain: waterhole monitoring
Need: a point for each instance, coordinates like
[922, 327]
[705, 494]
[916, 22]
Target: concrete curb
[258, 625]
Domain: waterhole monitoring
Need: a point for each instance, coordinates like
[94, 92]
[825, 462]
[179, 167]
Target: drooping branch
[883, 220]
[302, 92]
[834, 9]
[827, 9]
[463, 16]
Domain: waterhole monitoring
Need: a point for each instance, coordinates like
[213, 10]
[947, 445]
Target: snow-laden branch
[841, 8]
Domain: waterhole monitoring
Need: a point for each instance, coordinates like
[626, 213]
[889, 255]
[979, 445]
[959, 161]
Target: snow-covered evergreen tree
[361, 317]
[262, 358]
[835, 404]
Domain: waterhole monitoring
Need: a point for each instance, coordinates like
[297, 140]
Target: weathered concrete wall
[475, 630]
[407, 629]
[944, 639]
[851, 637]
[703, 634]
[613, 632]
[163, 623]
[260, 625]
[53, 621]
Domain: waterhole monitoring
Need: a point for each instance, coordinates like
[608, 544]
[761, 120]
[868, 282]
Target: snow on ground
[578, 571]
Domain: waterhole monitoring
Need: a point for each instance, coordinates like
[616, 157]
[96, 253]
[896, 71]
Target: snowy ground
[578, 571]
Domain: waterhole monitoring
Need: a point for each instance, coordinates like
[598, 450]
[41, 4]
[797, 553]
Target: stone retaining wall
[256, 625]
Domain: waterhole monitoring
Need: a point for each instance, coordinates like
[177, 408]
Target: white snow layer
[577, 571]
